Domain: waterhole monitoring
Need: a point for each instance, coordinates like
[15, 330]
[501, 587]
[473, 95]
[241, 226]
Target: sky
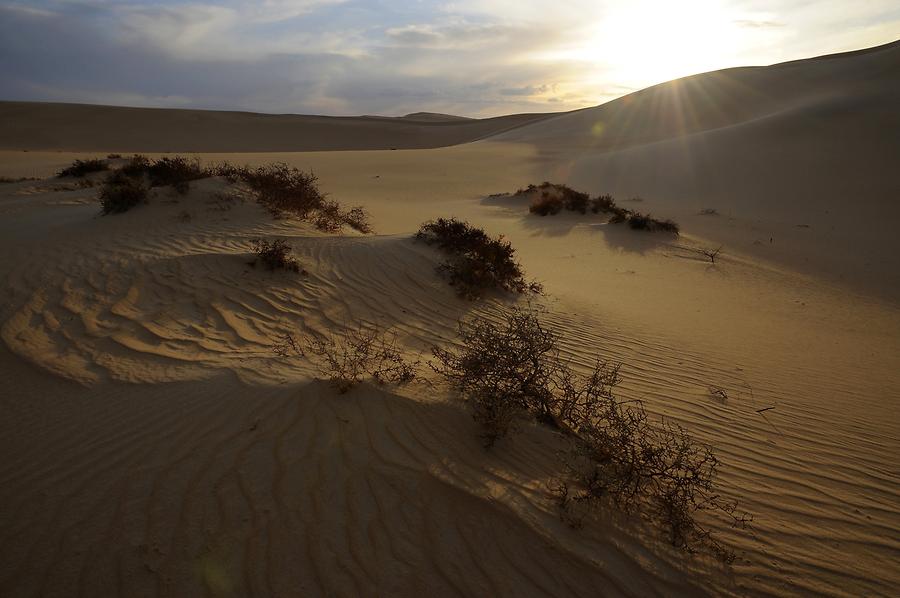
[348, 57]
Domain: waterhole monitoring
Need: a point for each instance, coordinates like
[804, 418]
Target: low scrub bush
[504, 370]
[638, 221]
[287, 190]
[546, 205]
[554, 198]
[512, 369]
[604, 203]
[275, 255]
[120, 193]
[21, 179]
[348, 359]
[476, 262]
[80, 168]
[282, 189]
[712, 254]
[177, 172]
[137, 166]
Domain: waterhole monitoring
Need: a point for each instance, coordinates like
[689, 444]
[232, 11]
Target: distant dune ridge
[84, 127]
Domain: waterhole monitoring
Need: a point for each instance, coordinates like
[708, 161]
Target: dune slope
[798, 159]
[158, 446]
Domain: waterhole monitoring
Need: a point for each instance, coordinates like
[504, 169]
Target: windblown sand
[154, 444]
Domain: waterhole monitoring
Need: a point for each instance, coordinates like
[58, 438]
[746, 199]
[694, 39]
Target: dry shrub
[120, 193]
[80, 168]
[346, 360]
[710, 253]
[275, 255]
[287, 190]
[476, 262]
[327, 217]
[554, 198]
[638, 221]
[358, 219]
[137, 166]
[282, 189]
[604, 203]
[512, 369]
[21, 179]
[546, 205]
[176, 172]
[504, 370]
[113, 156]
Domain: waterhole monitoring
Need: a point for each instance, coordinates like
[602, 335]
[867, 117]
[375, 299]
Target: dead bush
[710, 253]
[638, 221]
[357, 219]
[347, 359]
[21, 179]
[546, 204]
[555, 197]
[281, 188]
[80, 168]
[177, 172]
[275, 255]
[120, 193]
[285, 190]
[136, 167]
[619, 457]
[476, 262]
[512, 369]
[603, 203]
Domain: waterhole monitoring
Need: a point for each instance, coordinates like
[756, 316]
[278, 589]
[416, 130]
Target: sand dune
[154, 444]
[82, 127]
[810, 144]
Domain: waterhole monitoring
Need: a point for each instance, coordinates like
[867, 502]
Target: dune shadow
[620, 237]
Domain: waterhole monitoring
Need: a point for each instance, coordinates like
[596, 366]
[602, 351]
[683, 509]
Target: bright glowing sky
[469, 57]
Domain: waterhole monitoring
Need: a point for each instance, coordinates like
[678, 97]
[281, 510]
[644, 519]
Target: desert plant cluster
[347, 359]
[21, 179]
[120, 192]
[80, 168]
[275, 255]
[282, 189]
[287, 190]
[476, 262]
[512, 369]
[552, 198]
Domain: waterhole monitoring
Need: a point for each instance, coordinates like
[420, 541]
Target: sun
[649, 42]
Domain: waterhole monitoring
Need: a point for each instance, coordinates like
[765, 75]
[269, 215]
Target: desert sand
[155, 445]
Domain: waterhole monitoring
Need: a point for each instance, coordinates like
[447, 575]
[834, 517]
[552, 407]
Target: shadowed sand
[155, 445]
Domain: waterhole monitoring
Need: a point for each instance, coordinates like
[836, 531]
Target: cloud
[528, 90]
[757, 24]
[457, 35]
[470, 57]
